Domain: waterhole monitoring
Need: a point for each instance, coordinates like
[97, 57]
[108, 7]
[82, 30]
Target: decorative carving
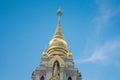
[55, 75]
[59, 59]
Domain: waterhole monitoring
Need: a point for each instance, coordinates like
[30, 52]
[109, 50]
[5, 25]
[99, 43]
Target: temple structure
[57, 61]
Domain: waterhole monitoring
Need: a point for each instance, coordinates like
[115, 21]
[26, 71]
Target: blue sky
[90, 27]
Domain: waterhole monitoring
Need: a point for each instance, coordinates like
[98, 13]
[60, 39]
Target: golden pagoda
[57, 61]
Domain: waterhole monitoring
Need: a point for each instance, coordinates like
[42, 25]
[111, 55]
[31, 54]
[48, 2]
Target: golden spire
[58, 45]
[58, 38]
[58, 33]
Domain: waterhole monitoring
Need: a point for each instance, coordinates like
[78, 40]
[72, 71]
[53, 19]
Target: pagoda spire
[58, 32]
[58, 37]
[58, 45]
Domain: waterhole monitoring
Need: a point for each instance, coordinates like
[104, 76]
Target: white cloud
[103, 53]
[104, 14]
[109, 49]
[102, 17]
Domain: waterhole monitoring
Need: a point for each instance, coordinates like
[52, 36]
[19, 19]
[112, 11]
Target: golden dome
[58, 38]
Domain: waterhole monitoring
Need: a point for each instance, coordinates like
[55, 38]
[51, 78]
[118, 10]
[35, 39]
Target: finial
[59, 12]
